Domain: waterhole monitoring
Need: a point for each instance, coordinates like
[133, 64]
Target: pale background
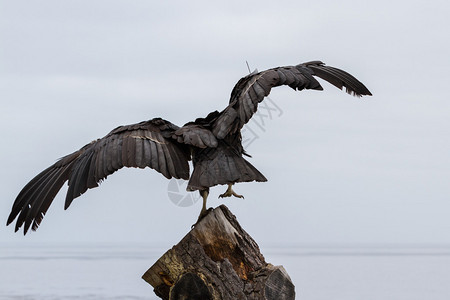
[341, 170]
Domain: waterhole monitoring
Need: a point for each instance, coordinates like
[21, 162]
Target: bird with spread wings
[213, 143]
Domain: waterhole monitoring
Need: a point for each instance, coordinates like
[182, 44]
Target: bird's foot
[203, 214]
[229, 192]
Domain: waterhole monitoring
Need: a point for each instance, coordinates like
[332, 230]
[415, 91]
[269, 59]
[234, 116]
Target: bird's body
[212, 143]
[221, 163]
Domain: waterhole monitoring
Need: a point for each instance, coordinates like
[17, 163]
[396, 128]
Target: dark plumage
[213, 143]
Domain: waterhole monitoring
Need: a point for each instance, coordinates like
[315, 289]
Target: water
[319, 273]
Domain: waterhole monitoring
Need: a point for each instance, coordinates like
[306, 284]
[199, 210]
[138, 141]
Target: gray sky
[341, 170]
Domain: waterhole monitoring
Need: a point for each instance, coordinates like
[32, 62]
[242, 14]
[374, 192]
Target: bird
[213, 144]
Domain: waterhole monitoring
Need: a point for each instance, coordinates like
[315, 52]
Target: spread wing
[146, 144]
[251, 90]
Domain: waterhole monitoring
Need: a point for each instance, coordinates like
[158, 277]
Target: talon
[238, 196]
[229, 192]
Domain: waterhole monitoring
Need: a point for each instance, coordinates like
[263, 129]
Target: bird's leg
[229, 192]
[204, 193]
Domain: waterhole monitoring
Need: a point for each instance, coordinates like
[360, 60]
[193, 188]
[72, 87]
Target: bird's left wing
[145, 144]
[251, 90]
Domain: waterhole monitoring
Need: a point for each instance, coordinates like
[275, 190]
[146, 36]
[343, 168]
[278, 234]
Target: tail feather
[221, 166]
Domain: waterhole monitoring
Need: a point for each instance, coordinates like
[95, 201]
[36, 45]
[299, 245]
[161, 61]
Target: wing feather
[98, 171]
[162, 160]
[147, 152]
[48, 197]
[169, 161]
[195, 135]
[340, 79]
[256, 86]
[139, 156]
[78, 178]
[40, 195]
[281, 75]
[154, 159]
[24, 195]
[138, 145]
[33, 193]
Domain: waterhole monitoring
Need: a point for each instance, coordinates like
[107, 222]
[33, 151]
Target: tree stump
[216, 260]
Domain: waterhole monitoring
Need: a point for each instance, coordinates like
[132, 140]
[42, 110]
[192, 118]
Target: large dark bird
[212, 143]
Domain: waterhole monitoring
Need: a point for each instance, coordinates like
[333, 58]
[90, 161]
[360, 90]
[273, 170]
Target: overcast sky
[341, 170]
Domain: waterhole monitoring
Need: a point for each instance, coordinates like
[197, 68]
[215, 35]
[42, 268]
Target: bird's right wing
[251, 90]
[146, 144]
